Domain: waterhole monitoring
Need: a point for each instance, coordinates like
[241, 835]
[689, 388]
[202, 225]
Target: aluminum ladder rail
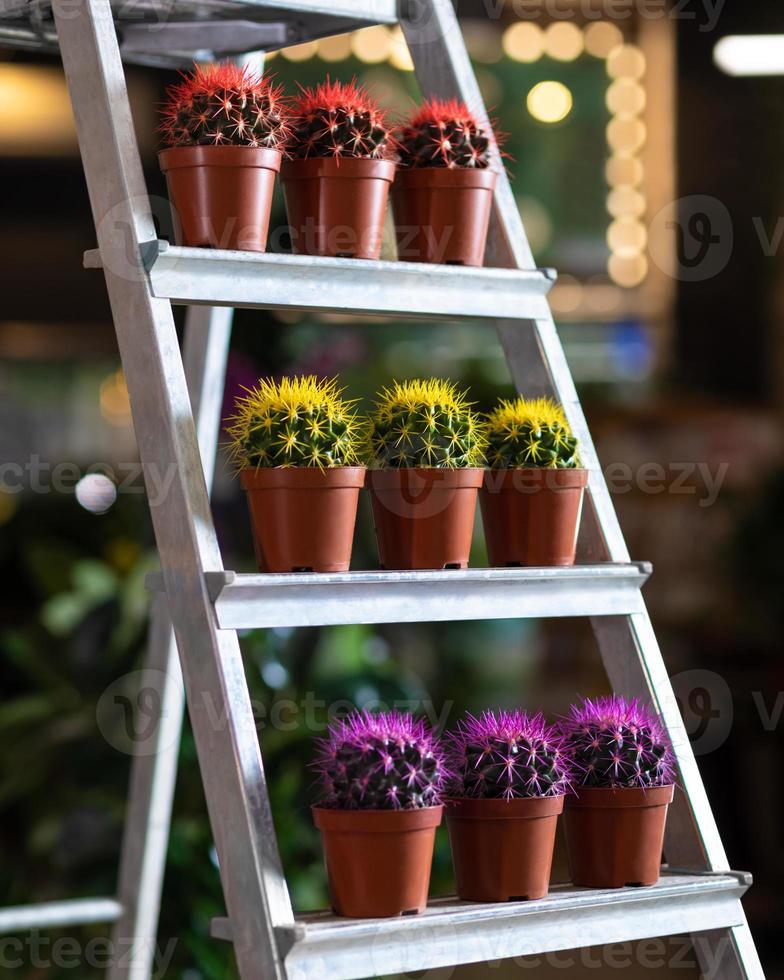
[143, 280]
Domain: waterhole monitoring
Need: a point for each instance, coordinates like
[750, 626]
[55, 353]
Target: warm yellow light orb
[549, 101]
[564, 41]
[624, 170]
[626, 61]
[625, 97]
[627, 271]
[601, 37]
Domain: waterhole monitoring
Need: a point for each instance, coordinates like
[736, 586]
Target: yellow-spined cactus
[297, 421]
[424, 424]
[530, 433]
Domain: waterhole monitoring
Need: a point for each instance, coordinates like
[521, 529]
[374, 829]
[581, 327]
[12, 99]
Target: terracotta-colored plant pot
[424, 518]
[532, 516]
[378, 861]
[303, 517]
[442, 215]
[337, 207]
[221, 195]
[615, 836]
[502, 850]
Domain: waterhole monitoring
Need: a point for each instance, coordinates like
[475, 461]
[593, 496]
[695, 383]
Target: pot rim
[443, 178]
[376, 821]
[350, 168]
[438, 478]
[184, 157]
[302, 477]
[528, 476]
[613, 798]
[520, 808]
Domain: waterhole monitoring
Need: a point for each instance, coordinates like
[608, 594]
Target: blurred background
[650, 176]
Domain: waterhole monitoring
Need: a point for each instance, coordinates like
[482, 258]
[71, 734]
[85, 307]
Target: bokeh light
[524, 42]
[601, 37]
[564, 41]
[96, 493]
[549, 101]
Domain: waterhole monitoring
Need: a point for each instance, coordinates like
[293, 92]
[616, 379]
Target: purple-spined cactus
[506, 755]
[614, 742]
[385, 761]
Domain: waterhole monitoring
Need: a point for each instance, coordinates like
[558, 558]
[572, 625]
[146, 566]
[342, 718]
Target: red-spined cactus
[225, 105]
[616, 743]
[385, 761]
[336, 120]
[508, 755]
[443, 133]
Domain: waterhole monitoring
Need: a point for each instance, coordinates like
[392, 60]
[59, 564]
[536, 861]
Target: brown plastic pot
[378, 861]
[615, 836]
[442, 215]
[424, 518]
[532, 516]
[337, 207]
[502, 850]
[221, 195]
[303, 517]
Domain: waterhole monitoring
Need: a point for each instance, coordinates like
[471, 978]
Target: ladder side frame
[218, 699]
[154, 769]
[627, 644]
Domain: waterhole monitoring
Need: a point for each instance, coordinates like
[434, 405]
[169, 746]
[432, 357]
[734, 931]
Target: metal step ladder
[175, 400]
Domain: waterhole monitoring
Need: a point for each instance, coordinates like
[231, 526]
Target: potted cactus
[624, 775]
[444, 187]
[225, 129]
[533, 491]
[296, 445]
[425, 448]
[509, 777]
[337, 184]
[382, 777]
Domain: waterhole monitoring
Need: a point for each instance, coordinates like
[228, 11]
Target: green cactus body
[225, 105]
[294, 422]
[530, 434]
[424, 424]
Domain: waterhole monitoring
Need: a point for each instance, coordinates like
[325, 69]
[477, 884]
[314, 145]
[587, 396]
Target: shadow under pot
[424, 518]
[502, 850]
[442, 215]
[302, 517]
[615, 836]
[531, 517]
[378, 861]
[337, 207]
[221, 195]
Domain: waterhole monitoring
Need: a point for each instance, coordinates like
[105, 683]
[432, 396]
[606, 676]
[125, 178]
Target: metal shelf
[212, 277]
[312, 599]
[325, 947]
[172, 33]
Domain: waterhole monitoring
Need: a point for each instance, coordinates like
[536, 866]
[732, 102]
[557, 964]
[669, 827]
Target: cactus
[339, 120]
[225, 105]
[426, 424]
[443, 134]
[297, 421]
[530, 433]
[386, 761]
[613, 742]
[506, 755]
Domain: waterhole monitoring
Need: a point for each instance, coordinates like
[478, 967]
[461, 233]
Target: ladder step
[310, 599]
[451, 932]
[354, 286]
[171, 33]
[54, 915]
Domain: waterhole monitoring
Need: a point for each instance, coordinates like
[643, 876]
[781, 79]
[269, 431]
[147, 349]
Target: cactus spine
[425, 424]
[386, 761]
[339, 120]
[530, 433]
[617, 743]
[297, 421]
[225, 105]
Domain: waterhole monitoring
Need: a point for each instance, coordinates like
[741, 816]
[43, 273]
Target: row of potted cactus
[228, 132]
[304, 454]
[502, 779]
